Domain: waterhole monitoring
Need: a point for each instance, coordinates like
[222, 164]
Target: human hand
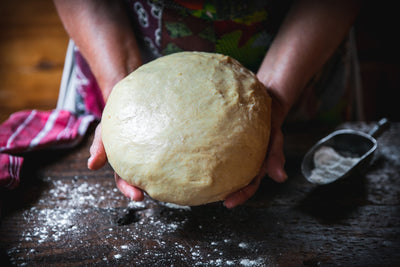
[293, 58]
[103, 28]
[274, 162]
[98, 159]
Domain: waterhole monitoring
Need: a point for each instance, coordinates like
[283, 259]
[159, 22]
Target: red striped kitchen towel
[80, 103]
[32, 130]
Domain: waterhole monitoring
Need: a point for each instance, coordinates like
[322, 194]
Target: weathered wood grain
[33, 43]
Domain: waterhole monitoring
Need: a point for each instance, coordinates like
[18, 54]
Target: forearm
[310, 34]
[102, 31]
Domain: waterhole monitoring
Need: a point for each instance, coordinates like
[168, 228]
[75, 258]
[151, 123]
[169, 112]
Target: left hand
[98, 159]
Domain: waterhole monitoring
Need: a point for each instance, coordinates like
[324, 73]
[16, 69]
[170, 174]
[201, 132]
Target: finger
[128, 190]
[275, 161]
[98, 156]
[241, 196]
[275, 170]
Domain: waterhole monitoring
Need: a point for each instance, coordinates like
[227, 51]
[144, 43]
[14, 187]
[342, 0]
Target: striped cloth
[32, 130]
[79, 104]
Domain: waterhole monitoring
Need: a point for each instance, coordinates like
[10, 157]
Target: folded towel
[32, 130]
[79, 104]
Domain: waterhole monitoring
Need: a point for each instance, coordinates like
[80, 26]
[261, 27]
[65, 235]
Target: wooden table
[65, 215]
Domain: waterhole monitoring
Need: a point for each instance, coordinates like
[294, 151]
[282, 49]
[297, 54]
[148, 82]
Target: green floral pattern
[176, 29]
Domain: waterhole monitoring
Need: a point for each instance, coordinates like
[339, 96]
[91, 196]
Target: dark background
[378, 50]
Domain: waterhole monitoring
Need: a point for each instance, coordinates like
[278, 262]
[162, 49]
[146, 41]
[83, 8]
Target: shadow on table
[32, 176]
[32, 183]
[335, 202]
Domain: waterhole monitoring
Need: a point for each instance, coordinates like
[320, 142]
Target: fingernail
[228, 204]
[89, 162]
[132, 195]
[284, 176]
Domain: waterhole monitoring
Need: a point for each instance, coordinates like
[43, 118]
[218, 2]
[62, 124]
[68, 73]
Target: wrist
[281, 104]
[108, 75]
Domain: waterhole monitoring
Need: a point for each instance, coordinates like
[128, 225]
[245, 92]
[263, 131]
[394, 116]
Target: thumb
[275, 161]
[98, 156]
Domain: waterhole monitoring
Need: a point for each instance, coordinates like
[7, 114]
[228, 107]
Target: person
[287, 44]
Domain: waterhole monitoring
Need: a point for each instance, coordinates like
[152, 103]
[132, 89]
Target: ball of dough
[188, 128]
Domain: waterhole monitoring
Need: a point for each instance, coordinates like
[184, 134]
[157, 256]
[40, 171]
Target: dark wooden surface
[65, 215]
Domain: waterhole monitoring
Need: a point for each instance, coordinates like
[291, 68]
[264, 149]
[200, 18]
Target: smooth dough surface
[188, 128]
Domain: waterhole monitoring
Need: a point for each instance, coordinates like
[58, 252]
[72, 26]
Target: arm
[309, 35]
[102, 31]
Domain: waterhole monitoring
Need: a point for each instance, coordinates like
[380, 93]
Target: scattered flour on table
[68, 203]
[54, 224]
[257, 262]
[136, 205]
[329, 165]
[243, 245]
[175, 206]
[78, 193]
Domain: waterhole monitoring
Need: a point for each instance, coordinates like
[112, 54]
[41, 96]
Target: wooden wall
[32, 51]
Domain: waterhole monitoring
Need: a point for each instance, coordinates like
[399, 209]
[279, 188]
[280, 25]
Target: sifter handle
[379, 128]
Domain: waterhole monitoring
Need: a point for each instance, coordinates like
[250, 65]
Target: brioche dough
[188, 128]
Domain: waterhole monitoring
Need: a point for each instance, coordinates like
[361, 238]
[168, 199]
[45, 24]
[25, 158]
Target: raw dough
[188, 128]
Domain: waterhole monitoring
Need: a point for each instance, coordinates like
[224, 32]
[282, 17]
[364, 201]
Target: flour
[60, 221]
[243, 245]
[257, 262]
[175, 206]
[330, 165]
[55, 224]
[79, 193]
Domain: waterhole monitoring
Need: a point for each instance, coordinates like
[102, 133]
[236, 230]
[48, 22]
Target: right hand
[274, 162]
